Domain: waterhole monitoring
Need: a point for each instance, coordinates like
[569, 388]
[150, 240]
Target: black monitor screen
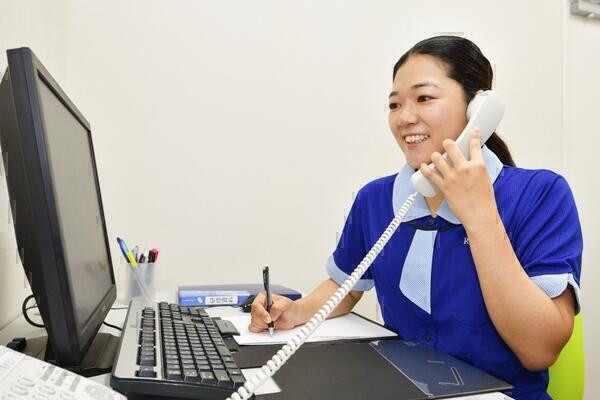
[57, 213]
[76, 200]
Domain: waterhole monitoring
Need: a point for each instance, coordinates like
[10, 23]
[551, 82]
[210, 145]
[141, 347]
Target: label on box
[212, 297]
[219, 300]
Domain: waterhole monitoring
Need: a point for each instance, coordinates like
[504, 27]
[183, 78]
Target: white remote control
[24, 377]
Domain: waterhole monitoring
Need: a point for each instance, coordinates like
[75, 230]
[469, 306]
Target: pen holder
[140, 281]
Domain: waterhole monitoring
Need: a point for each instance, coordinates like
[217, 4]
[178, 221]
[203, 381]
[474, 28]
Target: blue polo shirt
[426, 280]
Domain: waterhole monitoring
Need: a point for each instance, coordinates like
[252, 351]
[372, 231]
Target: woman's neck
[433, 203]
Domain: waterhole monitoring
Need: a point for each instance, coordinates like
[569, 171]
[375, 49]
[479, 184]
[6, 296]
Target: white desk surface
[20, 328]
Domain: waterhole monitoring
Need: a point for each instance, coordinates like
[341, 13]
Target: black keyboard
[172, 350]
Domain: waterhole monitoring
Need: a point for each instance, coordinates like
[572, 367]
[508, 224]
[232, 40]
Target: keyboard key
[146, 372]
[190, 376]
[202, 312]
[146, 352]
[174, 374]
[147, 361]
[188, 364]
[204, 367]
[147, 347]
[222, 378]
[238, 380]
[172, 366]
[208, 378]
[223, 351]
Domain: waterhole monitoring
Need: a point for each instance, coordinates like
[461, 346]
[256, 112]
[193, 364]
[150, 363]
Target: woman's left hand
[464, 183]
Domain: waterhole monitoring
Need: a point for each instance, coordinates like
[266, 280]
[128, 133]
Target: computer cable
[277, 361]
[24, 309]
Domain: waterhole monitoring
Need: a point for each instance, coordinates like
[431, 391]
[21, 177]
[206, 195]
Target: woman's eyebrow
[417, 86]
[424, 83]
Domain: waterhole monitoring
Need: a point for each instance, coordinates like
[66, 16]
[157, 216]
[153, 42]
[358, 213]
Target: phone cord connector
[277, 361]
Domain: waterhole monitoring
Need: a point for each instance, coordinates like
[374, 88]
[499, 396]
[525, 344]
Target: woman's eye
[394, 106]
[424, 98]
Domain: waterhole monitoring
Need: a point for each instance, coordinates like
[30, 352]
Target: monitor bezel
[40, 243]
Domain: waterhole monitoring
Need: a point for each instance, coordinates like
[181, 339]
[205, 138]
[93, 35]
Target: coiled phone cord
[277, 361]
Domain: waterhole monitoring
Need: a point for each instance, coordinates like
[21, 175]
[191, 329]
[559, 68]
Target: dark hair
[467, 65]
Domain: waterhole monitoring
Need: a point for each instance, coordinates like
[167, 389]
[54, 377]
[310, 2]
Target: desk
[20, 327]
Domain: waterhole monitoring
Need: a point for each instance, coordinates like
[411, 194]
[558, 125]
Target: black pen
[268, 290]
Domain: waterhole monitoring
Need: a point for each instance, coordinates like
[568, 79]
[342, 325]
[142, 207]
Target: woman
[487, 270]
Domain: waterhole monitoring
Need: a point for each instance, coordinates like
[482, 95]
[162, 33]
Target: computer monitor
[57, 214]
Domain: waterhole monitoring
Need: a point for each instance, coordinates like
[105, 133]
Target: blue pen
[126, 253]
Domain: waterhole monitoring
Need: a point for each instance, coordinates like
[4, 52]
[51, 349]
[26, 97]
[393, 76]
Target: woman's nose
[407, 115]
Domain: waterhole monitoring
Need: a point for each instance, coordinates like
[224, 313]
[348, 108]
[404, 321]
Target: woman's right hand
[285, 313]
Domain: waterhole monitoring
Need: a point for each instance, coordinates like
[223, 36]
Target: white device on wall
[586, 8]
[485, 112]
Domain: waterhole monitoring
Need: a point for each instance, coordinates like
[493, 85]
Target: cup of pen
[140, 279]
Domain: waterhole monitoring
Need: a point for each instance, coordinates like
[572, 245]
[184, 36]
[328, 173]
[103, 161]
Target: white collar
[403, 188]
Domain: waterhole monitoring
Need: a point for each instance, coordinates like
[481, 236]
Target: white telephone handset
[484, 112]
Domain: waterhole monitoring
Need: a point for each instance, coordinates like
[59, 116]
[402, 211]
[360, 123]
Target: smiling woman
[457, 68]
[426, 107]
[487, 270]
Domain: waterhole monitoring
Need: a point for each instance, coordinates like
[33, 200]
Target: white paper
[349, 326]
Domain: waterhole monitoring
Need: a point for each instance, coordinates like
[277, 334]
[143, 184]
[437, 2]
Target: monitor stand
[97, 361]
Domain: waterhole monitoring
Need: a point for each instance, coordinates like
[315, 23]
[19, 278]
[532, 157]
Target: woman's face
[425, 108]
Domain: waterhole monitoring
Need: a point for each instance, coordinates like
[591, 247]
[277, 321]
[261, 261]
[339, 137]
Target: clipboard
[356, 370]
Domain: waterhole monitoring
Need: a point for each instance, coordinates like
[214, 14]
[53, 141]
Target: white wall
[42, 26]
[234, 134]
[581, 142]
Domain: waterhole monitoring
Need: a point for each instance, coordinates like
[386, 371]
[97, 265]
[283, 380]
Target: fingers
[441, 165]
[435, 178]
[457, 159]
[281, 304]
[256, 325]
[475, 146]
[260, 318]
[259, 315]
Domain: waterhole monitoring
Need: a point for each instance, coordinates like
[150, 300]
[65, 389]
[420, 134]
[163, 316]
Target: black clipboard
[389, 369]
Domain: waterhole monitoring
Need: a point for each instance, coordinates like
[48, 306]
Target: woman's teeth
[415, 138]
